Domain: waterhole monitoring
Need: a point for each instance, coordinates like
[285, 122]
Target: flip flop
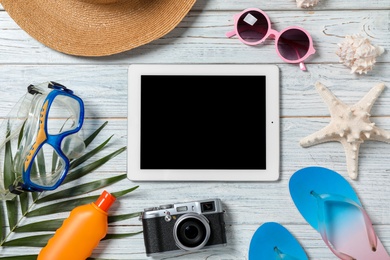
[330, 205]
[273, 241]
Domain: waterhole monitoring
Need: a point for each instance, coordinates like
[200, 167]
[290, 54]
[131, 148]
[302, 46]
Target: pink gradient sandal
[330, 205]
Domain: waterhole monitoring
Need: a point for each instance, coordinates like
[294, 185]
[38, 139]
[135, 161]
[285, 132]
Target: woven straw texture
[96, 27]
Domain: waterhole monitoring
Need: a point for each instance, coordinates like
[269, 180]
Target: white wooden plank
[200, 38]
[238, 240]
[285, 5]
[104, 87]
[249, 203]
[289, 5]
[271, 197]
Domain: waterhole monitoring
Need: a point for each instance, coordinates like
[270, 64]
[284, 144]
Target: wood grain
[200, 38]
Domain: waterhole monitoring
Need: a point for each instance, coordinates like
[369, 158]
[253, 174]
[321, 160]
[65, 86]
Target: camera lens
[191, 231]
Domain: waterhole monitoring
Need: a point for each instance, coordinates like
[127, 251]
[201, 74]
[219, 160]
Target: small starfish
[349, 125]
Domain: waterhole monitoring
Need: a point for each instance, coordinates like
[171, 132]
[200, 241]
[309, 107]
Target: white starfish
[349, 125]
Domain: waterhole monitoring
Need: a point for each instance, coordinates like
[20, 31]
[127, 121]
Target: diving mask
[50, 137]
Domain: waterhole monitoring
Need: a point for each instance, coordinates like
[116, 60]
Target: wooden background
[200, 38]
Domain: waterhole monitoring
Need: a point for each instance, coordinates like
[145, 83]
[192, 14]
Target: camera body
[183, 226]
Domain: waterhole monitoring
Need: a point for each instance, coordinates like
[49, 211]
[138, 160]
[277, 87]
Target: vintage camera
[183, 226]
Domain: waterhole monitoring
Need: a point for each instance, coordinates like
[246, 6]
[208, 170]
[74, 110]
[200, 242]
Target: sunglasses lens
[293, 44]
[252, 26]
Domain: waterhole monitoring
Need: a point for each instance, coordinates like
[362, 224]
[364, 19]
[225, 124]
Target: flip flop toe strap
[282, 256]
[323, 200]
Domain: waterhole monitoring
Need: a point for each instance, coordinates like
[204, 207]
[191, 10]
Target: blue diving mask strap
[16, 189]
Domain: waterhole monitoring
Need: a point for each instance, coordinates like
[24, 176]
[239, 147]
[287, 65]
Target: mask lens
[293, 44]
[63, 115]
[47, 167]
[72, 146]
[252, 26]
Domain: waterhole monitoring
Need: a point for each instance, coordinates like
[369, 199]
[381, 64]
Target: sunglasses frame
[271, 33]
[43, 137]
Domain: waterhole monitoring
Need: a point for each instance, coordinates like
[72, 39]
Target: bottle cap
[105, 201]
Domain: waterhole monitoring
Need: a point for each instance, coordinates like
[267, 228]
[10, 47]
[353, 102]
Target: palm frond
[81, 189]
[54, 224]
[85, 157]
[117, 236]
[15, 212]
[9, 178]
[2, 223]
[94, 134]
[20, 257]
[80, 172]
[68, 204]
[30, 241]
[46, 225]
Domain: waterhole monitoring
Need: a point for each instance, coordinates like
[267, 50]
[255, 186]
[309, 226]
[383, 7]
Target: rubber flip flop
[273, 241]
[330, 205]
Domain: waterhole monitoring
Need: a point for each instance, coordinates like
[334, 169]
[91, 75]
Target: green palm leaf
[19, 257]
[116, 236]
[23, 198]
[26, 205]
[47, 225]
[31, 241]
[68, 205]
[81, 189]
[9, 178]
[54, 224]
[87, 156]
[2, 223]
[91, 167]
[112, 219]
[94, 134]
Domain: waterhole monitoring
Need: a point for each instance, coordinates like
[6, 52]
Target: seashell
[357, 53]
[306, 3]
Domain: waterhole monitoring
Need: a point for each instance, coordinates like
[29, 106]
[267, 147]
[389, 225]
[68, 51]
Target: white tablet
[203, 122]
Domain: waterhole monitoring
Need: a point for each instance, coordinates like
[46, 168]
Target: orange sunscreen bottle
[81, 231]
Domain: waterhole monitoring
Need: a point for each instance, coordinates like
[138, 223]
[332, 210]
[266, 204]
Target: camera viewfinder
[182, 209]
[208, 206]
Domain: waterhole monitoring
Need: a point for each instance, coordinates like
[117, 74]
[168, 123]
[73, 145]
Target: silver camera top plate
[209, 206]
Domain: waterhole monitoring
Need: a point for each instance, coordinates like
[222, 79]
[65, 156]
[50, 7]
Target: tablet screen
[203, 122]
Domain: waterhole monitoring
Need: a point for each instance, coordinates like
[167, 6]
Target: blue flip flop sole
[272, 240]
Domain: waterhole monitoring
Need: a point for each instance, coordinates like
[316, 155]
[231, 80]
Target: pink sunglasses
[293, 44]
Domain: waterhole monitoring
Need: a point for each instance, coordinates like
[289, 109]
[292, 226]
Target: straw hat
[96, 27]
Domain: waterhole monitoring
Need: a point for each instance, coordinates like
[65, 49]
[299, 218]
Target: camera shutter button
[150, 209]
[168, 216]
[167, 206]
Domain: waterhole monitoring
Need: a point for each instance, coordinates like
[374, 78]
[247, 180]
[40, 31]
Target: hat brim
[89, 29]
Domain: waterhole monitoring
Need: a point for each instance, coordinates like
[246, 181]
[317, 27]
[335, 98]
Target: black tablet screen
[203, 122]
